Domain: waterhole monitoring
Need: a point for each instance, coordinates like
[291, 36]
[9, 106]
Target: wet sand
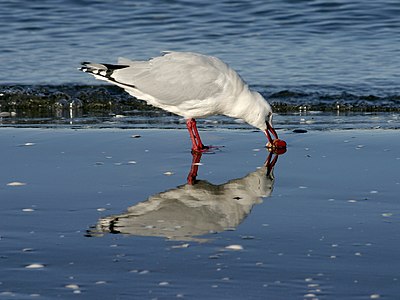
[121, 214]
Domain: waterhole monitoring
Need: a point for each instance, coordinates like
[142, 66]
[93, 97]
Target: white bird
[190, 85]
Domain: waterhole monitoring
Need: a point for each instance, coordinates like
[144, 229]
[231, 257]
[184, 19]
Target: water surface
[352, 44]
[324, 223]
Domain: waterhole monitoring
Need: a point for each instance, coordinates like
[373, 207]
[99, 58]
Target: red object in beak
[279, 144]
[275, 145]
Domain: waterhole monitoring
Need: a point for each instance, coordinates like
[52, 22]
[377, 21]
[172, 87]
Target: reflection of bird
[193, 209]
[190, 85]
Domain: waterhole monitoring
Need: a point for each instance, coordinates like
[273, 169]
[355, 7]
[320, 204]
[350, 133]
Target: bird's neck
[248, 106]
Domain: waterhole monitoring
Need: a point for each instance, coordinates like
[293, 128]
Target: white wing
[175, 77]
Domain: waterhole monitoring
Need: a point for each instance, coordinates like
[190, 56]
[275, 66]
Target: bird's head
[263, 117]
[257, 112]
[265, 123]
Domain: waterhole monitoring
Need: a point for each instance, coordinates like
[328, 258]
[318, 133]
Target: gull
[190, 85]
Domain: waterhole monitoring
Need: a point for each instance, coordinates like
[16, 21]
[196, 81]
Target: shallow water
[323, 224]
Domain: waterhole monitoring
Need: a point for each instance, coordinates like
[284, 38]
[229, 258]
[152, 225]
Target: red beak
[270, 128]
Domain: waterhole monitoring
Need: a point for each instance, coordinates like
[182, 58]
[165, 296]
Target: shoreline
[31, 99]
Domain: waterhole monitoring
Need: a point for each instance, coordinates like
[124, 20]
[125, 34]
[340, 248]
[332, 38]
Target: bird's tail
[102, 70]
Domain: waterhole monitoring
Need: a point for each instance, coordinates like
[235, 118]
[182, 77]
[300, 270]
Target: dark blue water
[344, 43]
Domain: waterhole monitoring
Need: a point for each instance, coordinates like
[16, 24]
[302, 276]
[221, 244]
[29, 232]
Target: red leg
[197, 145]
[192, 137]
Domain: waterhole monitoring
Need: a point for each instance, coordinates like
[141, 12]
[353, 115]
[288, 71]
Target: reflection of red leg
[194, 168]
[270, 163]
[197, 145]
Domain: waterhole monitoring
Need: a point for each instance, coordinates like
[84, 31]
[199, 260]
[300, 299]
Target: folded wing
[173, 78]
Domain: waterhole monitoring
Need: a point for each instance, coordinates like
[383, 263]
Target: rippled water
[270, 42]
[314, 52]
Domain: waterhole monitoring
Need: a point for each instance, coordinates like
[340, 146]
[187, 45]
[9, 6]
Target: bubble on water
[16, 183]
[72, 286]
[29, 144]
[387, 215]
[310, 295]
[28, 210]
[225, 279]
[234, 247]
[7, 294]
[34, 266]
[164, 283]
[180, 246]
